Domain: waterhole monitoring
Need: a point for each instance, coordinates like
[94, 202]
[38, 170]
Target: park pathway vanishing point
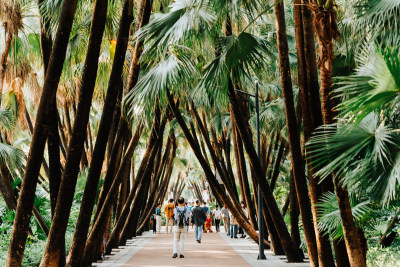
[149, 251]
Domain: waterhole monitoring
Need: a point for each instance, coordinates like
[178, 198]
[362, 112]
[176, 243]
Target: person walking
[234, 226]
[181, 224]
[246, 214]
[217, 217]
[206, 209]
[225, 216]
[169, 215]
[158, 217]
[198, 219]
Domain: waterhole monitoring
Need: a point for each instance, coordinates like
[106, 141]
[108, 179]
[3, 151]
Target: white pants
[158, 223]
[179, 237]
[169, 222]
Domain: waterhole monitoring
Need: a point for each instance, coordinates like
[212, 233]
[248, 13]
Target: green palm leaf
[185, 19]
[364, 154]
[375, 84]
[239, 57]
[171, 71]
[329, 216]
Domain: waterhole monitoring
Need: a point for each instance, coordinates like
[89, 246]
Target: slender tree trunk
[294, 213]
[242, 172]
[287, 242]
[275, 173]
[97, 229]
[163, 184]
[233, 207]
[294, 138]
[53, 249]
[53, 141]
[130, 223]
[326, 30]
[325, 255]
[25, 203]
[342, 260]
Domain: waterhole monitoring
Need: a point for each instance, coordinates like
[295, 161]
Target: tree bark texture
[113, 90]
[294, 138]
[326, 30]
[39, 137]
[325, 256]
[210, 175]
[54, 248]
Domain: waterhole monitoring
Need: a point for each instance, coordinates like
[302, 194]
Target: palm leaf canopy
[238, 58]
[185, 19]
[329, 217]
[364, 153]
[376, 83]
[173, 71]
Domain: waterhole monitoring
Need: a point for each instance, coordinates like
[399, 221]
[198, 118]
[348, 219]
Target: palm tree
[67, 187]
[327, 31]
[294, 138]
[89, 195]
[25, 201]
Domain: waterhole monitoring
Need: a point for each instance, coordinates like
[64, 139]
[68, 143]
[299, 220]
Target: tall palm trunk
[242, 171]
[98, 225]
[114, 238]
[326, 31]
[158, 188]
[130, 223]
[53, 141]
[325, 255]
[114, 89]
[233, 207]
[289, 246]
[3, 61]
[342, 259]
[25, 203]
[294, 138]
[76, 146]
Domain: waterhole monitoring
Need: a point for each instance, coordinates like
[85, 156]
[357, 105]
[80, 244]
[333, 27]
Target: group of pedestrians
[180, 216]
[231, 225]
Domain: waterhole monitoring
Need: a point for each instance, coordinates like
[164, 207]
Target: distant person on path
[225, 216]
[208, 224]
[234, 226]
[246, 214]
[181, 225]
[169, 215]
[217, 217]
[158, 217]
[198, 219]
[154, 222]
[206, 209]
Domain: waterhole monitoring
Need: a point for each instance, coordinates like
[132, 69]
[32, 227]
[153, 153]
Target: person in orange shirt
[169, 214]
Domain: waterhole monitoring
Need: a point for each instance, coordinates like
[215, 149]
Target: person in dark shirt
[198, 219]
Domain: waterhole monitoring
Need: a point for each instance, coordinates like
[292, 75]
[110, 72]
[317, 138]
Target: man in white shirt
[181, 224]
[217, 217]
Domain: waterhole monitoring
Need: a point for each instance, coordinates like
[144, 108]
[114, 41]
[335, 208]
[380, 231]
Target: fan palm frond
[329, 217]
[171, 71]
[365, 153]
[11, 155]
[238, 57]
[375, 84]
[185, 19]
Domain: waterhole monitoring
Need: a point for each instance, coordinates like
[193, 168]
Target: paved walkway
[151, 250]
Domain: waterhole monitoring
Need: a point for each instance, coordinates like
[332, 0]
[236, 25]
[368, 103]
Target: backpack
[182, 222]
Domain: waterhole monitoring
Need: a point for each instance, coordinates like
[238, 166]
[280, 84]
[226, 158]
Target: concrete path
[216, 249]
